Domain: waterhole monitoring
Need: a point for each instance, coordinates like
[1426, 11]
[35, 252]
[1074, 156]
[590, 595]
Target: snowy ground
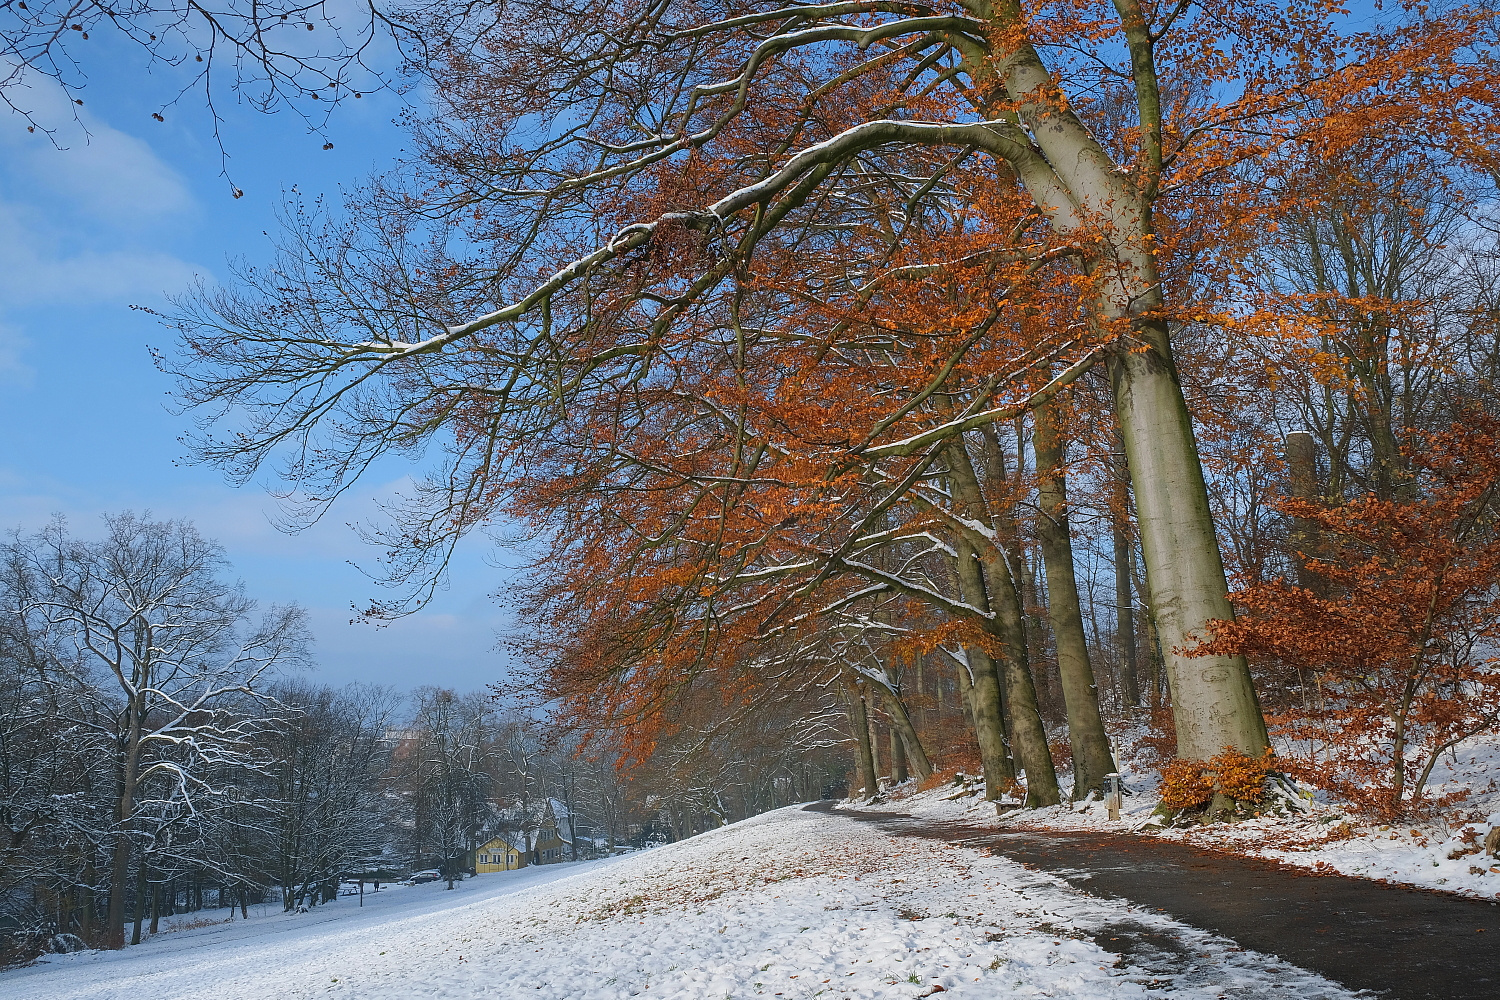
[792, 903]
[1437, 852]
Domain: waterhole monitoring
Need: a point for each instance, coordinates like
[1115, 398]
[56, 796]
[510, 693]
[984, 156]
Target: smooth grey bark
[1128, 657]
[1028, 734]
[999, 511]
[1083, 191]
[988, 583]
[910, 751]
[1092, 758]
[979, 686]
[1213, 699]
[979, 682]
[1153, 642]
[1127, 662]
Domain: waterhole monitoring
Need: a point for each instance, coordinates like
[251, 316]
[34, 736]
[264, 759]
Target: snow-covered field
[792, 903]
[1436, 852]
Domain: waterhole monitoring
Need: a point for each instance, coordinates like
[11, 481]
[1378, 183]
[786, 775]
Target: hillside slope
[792, 903]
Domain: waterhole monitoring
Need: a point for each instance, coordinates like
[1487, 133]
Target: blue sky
[126, 212]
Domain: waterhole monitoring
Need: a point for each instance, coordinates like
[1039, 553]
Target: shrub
[1185, 784]
[1240, 776]
[1191, 784]
[1390, 647]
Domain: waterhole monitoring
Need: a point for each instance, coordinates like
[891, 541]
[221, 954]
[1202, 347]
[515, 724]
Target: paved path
[1403, 944]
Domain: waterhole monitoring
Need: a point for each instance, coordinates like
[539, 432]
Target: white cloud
[85, 213]
[98, 172]
[44, 264]
[87, 216]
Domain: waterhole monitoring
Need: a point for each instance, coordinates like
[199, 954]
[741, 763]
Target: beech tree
[627, 177]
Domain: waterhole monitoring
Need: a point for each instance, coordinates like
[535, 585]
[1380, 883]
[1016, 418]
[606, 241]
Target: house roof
[513, 841]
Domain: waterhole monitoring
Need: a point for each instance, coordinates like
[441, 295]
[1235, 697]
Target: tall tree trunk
[114, 931]
[859, 727]
[140, 898]
[1302, 475]
[1213, 700]
[986, 583]
[979, 689]
[89, 904]
[912, 753]
[1082, 190]
[898, 756]
[1155, 668]
[1028, 734]
[1127, 656]
[1092, 759]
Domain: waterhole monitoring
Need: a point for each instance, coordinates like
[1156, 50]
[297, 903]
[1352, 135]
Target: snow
[1435, 852]
[793, 903]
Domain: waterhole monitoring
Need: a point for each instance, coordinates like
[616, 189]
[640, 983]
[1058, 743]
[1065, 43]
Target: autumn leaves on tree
[802, 334]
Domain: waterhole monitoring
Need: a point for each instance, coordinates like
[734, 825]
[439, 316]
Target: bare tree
[445, 761]
[331, 756]
[286, 54]
[176, 658]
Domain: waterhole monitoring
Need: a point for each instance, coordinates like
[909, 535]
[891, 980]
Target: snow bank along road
[794, 903]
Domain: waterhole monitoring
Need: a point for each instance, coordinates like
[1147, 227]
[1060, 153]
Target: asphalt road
[1402, 944]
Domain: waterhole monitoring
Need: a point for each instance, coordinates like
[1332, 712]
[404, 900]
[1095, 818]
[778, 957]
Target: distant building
[554, 835]
[502, 853]
[545, 836]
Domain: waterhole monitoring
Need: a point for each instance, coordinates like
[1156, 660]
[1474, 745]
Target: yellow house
[500, 854]
[550, 840]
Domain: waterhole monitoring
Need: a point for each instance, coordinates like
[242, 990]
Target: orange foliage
[1190, 784]
[1392, 656]
[1240, 776]
[709, 465]
[1185, 784]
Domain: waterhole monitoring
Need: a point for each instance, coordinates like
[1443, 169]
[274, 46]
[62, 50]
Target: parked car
[417, 878]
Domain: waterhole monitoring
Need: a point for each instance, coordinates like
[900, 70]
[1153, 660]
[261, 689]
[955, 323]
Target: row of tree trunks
[1001, 695]
[986, 583]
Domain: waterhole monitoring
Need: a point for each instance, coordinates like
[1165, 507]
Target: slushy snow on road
[793, 903]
